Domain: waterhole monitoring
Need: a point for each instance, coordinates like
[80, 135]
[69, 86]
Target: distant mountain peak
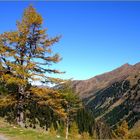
[126, 65]
[86, 87]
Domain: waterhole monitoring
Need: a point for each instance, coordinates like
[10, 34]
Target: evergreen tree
[82, 116]
[72, 104]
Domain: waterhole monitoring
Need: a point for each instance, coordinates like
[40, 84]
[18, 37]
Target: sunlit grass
[17, 133]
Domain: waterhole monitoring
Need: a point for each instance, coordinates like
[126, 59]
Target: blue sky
[96, 36]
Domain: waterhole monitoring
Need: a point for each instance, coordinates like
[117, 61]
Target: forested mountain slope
[113, 96]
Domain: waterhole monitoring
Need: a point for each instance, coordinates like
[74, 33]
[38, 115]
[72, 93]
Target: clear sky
[96, 36]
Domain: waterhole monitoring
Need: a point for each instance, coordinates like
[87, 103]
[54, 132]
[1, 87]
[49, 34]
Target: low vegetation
[14, 132]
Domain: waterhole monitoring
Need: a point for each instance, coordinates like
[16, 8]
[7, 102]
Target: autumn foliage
[25, 55]
[25, 58]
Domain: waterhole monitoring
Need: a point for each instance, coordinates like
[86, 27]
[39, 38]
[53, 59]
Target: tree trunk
[20, 107]
[67, 128]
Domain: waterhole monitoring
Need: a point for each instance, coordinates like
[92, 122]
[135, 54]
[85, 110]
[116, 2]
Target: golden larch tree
[122, 130]
[25, 55]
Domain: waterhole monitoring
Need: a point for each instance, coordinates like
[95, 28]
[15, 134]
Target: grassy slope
[17, 133]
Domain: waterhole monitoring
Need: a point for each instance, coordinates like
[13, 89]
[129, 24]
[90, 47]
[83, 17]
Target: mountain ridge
[113, 96]
[104, 79]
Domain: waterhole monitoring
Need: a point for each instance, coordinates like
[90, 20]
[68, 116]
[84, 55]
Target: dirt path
[2, 137]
